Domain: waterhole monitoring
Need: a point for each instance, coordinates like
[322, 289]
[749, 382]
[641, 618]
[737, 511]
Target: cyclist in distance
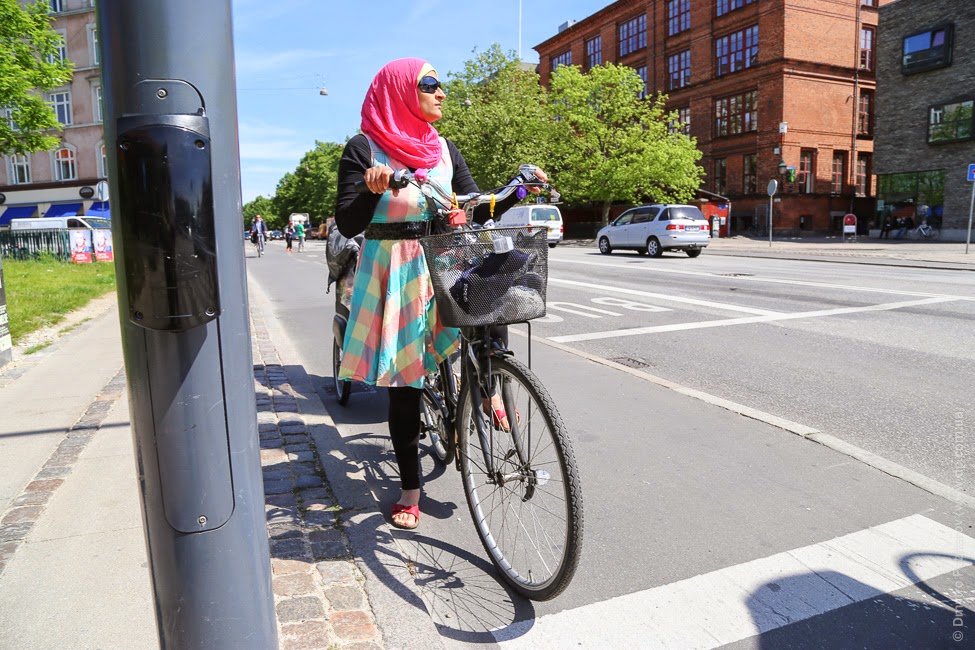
[395, 338]
[258, 229]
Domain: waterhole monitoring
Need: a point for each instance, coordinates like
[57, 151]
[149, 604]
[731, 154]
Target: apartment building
[62, 181]
[925, 122]
[771, 89]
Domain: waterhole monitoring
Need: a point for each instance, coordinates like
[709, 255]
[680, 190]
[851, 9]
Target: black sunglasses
[429, 85]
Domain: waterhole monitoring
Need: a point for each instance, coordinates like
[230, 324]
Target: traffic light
[790, 174]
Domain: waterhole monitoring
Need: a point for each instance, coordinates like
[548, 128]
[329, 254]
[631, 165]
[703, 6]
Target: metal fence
[28, 244]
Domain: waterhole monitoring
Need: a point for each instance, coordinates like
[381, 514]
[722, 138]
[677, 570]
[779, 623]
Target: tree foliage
[29, 65]
[504, 124]
[312, 187]
[611, 144]
[264, 207]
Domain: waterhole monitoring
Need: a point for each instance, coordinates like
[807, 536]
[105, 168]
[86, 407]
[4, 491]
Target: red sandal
[410, 510]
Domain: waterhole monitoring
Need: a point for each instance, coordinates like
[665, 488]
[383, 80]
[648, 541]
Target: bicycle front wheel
[522, 485]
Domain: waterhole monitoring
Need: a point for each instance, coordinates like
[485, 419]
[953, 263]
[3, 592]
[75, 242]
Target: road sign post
[171, 133]
[773, 187]
[971, 206]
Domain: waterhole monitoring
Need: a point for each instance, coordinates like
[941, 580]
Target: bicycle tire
[934, 235]
[433, 422]
[538, 553]
[343, 387]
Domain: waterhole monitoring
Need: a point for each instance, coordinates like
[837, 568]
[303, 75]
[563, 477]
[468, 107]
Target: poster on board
[103, 245]
[80, 246]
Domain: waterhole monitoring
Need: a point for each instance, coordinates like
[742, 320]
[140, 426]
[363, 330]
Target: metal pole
[770, 199]
[971, 208]
[171, 128]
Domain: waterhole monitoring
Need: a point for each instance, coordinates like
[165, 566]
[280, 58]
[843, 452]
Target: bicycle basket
[488, 277]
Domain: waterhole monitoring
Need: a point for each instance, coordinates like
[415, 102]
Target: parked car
[653, 229]
[275, 234]
[536, 215]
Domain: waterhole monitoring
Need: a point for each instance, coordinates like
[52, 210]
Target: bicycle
[258, 239]
[925, 231]
[520, 482]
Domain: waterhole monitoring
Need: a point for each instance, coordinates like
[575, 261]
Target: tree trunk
[606, 207]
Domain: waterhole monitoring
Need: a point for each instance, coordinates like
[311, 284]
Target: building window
[98, 109]
[102, 161]
[839, 169]
[918, 193]
[721, 176]
[736, 51]
[65, 167]
[93, 43]
[950, 122]
[19, 170]
[633, 35]
[736, 114]
[678, 16]
[60, 54]
[7, 114]
[867, 54]
[562, 59]
[807, 174]
[56, 6]
[684, 114]
[642, 73]
[724, 6]
[61, 104]
[868, 3]
[863, 174]
[750, 174]
[679, 69]
[865, 113]
[927, 50]
[594, 52]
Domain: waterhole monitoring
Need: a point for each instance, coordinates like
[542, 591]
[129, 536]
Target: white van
[60, 223]
[536, 215]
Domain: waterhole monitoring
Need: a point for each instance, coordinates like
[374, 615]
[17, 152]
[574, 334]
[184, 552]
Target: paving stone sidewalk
[319, 591]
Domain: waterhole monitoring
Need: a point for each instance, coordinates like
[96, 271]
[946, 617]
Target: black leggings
[404, 425]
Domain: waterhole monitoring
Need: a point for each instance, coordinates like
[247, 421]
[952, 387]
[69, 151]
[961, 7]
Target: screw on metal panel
[199, 144]
[123, 145]
[210, 311]
[202, 519]
[138, 315]
[161, 93]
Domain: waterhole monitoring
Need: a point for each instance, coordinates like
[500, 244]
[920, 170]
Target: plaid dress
[394, 336]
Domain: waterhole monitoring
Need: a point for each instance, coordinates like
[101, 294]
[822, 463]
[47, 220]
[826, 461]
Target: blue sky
[287, 49]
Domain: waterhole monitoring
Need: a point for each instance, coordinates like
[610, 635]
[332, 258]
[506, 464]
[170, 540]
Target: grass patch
[70, 328]
[37, 348]
[40, 292]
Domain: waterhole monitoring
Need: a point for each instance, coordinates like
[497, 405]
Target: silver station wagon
[653, 229]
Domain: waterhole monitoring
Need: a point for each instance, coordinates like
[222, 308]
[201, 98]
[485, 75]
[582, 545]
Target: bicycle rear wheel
[434, 423]
[342, 386]
[526, 506]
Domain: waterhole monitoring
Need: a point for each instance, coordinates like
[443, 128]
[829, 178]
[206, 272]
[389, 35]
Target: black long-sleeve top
[354, 210]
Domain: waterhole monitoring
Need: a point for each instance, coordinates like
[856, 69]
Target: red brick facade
[809, 72]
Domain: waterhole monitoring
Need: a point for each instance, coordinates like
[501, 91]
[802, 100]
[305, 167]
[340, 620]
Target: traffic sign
[971, 173]
[773, 186]
[102, 190]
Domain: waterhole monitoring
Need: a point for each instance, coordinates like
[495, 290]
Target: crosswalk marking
[738, 602]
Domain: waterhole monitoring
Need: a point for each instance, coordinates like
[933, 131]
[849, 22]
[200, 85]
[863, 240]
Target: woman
[395, 337]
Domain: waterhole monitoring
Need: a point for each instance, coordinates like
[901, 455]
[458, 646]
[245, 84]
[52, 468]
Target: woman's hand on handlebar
[542, 176]
[377, 179]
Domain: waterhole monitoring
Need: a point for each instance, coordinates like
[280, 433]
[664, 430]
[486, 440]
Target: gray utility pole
[171, 130]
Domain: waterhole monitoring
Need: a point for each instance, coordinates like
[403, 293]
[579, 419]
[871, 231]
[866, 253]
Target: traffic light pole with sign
[971, 206]
[171, 130]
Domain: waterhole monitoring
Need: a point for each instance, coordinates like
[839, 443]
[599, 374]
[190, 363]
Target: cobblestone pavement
[318, 590]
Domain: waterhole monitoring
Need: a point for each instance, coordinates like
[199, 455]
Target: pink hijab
[391, 115]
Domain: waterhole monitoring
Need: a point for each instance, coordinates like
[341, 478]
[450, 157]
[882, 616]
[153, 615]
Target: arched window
[65, 165]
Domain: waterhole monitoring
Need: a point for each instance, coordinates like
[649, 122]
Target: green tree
[313, 186]
[29, 65]
[611, 145]
[495, 114]
[264, 207]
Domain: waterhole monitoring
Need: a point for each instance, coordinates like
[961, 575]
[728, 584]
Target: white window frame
[62, 52]
[7, 114]
[93, 43]
[55, 6]
[69, 162]
[20, 162]
[101, 160]
[97, 111]
[61, 99]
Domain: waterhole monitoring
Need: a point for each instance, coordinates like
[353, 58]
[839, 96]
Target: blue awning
[98, 209]
[17, 212]
[62, 209]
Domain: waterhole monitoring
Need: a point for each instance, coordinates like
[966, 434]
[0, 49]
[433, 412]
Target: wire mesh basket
[489, 277]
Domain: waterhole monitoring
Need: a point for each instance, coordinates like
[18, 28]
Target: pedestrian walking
[289, 235]
[885, 228]
[300, 235]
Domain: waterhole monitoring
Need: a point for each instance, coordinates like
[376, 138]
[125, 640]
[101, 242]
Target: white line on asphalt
[752, 278]
[664, 296]
[674, 327]
[755, 597]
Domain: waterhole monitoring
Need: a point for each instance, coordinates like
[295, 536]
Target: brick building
[62, 181]
[925, 128]
[736, 70]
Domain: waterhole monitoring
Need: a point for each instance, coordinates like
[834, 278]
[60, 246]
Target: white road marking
[674, 327]
[738, 602]
[752, 278]
[580, 310]
[663, 296]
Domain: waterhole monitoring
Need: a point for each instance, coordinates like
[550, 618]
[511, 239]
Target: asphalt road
[679, 488]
